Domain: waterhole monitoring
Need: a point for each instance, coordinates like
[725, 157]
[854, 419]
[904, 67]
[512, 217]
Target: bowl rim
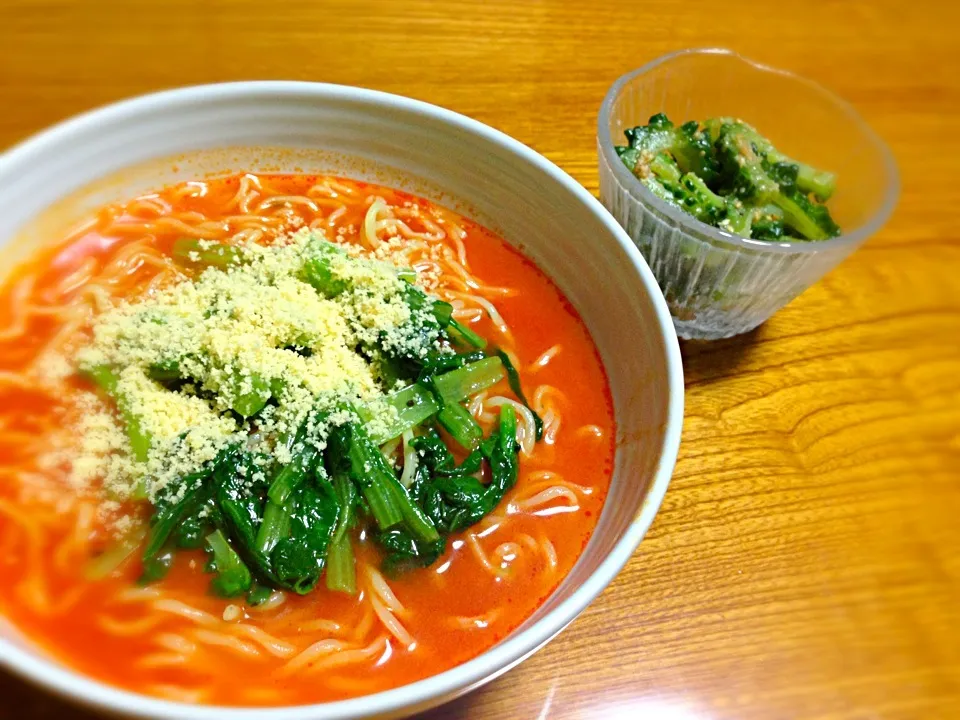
[688, 223]
[500, 657]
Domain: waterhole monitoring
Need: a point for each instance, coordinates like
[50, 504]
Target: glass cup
[717, 284]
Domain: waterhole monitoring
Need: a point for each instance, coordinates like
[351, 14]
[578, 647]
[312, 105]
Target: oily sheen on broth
[78, 505]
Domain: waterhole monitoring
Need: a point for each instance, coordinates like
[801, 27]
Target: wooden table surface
[806, 560]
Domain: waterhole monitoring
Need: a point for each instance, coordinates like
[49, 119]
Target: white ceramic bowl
[147, 142]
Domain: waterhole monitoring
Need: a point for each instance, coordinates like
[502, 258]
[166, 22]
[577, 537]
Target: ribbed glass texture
[716, 284]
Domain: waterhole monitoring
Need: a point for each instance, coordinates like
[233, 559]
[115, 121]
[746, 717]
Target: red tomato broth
[539, 318]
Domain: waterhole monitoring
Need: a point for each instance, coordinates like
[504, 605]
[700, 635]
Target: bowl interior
[53, 180]
[800, 117]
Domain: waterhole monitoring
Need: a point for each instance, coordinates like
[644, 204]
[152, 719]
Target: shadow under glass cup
[716, 284]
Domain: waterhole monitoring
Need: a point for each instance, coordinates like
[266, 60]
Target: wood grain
[805, 563]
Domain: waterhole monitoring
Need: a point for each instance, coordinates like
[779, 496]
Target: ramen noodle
[279, 439]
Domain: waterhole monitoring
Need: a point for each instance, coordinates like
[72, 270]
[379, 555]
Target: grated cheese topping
[197, 362]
